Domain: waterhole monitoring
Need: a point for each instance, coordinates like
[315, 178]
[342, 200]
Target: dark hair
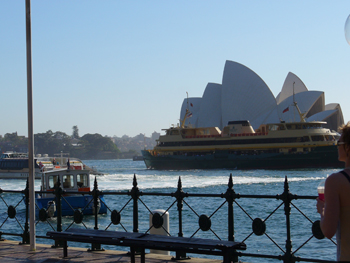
[345, 131]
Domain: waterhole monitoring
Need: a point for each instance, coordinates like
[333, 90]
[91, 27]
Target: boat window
[276, 127]
[82, 180]
[306, 138]
[68, 181]
[53, 180]
[174, 132]
[330, 138]
[317, 138]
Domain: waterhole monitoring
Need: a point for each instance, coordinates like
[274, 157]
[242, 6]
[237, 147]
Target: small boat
[76, 187]
[284, 145]
[14, 165]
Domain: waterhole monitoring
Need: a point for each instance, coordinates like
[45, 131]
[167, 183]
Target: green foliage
[94, 144]
[18, 143]
[90, 146]
[75, 132]
[50, 142]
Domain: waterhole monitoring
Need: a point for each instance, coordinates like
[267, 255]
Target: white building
[243, 95]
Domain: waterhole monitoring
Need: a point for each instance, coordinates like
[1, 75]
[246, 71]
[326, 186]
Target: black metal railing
[135, 204]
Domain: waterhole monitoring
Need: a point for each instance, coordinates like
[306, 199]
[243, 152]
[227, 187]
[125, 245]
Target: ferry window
[317, 138]
[276, 127]
[306, 139]
[68, 181]
[273, 127]
[82, 180]
[329, 138]
[175, 132]
[52, 181]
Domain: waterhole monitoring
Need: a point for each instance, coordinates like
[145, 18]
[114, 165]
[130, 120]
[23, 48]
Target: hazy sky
[124, 67]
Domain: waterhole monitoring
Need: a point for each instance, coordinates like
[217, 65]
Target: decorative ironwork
[78, 216]
[316, 230]
[259, 226]
[204, 222]
[43, 216]
[11, 211]
[115, 217]
[179, 198]
[157, 220]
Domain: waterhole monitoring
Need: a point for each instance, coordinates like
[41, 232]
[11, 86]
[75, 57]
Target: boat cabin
[71, 180]
[237, 127]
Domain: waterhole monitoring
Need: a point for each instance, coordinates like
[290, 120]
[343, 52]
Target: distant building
[137, 143]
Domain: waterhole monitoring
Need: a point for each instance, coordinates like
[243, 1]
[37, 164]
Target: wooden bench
[147, 241]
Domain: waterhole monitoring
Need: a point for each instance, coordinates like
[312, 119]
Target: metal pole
[30, 129]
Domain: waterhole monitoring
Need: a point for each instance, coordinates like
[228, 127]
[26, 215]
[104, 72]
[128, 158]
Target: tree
[50, 143]
[13, 142]
[75, 132]
[96, 144]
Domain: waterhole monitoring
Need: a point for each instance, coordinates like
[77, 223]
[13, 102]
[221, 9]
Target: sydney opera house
[243, 95]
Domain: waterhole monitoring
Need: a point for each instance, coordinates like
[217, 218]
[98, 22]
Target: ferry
[284, 145]
[76, 195]
[14, 165]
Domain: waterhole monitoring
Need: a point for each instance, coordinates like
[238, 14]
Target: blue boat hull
[84, 203]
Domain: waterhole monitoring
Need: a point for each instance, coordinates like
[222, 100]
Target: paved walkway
[11, 251]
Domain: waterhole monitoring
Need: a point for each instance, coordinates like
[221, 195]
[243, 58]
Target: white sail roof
[209, 114]
[243, 95]
[291, 84]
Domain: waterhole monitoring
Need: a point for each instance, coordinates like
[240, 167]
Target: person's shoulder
[334, 176]
[335, 179]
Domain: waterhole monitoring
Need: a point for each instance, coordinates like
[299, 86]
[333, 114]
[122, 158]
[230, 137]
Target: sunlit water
[119, 177]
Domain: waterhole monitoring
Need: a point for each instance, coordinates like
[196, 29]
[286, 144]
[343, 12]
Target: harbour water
[119, 177]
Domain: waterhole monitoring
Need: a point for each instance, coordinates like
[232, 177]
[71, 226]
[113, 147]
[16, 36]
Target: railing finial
[134, 181]
[179, 184]
[230, 182]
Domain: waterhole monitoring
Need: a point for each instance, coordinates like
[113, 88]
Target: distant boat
[14, 165]
[238, 146]
[76, 184]
[137, 158]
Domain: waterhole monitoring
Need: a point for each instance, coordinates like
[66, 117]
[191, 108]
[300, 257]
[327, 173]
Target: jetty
[11, 251]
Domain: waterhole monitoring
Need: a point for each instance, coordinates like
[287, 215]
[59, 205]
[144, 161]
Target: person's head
[344, 142]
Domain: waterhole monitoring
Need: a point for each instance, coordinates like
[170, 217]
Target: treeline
[89, 146]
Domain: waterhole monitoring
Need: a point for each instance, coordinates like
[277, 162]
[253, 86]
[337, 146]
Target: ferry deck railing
[176, 200]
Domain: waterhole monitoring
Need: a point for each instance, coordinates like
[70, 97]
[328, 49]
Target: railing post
[25, 235]
[58, 194]
[287, 198]
[135, 193]
[96, 193]
[230, 197]
[179, 194]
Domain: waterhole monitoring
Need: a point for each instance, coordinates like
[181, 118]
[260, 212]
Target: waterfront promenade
[11, 251]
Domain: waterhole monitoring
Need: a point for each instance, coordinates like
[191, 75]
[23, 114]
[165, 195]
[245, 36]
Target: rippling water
[119, 177]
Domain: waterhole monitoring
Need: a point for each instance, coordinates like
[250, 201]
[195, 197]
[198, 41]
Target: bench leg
[65, 249]
[143, 257]
[132, 254]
